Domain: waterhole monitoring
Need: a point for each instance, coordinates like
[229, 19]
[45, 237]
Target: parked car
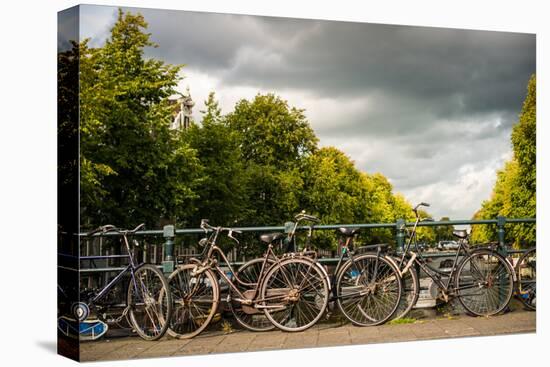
[447, 245]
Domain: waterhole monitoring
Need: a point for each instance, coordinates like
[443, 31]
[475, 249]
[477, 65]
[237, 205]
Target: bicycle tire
[188, 320]
[351, 282]
[249, 273]
[483, 260]
[151, 300]
[410, 284]
[286, 295]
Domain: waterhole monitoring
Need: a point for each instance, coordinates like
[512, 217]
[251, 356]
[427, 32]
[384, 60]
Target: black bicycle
[409, 278]
[148, 302]
[481, 278]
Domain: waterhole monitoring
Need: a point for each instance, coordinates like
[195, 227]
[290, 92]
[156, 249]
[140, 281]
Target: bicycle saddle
[270, 237]
[460, 233]
[348, 232]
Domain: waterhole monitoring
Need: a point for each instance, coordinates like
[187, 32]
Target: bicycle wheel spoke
[369, 290]
[195, 301]
[303, 294]
[149, 302]
[484, 283]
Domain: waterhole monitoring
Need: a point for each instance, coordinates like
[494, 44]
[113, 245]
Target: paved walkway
[323, 335]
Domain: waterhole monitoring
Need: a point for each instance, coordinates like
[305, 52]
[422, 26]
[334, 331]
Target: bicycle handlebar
[110, 228]
[308, 217]
[140, 226]
[206, 227]
[104, 229]
[419, 205]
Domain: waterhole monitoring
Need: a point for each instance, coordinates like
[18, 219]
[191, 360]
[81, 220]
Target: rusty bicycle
[286, 285]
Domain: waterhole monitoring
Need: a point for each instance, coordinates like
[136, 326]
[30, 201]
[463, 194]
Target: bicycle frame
[349, 255]
[346, 253]
[210, 263]
[269, 254]
[436, 275]
[131, 267]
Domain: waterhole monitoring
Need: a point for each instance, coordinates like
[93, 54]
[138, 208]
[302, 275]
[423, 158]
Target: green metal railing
[169, 233]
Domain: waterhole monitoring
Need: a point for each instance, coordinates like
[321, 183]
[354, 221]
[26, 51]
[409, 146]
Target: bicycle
[483, 281]
[526, 273]
[407, 284]
[285, 286]
[144, 309]
[251, 270]
[365, 287]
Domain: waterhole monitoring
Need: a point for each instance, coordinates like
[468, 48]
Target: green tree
[274, 139]
[334, 190]
[272, 132]
[221, 194]
[524, 142]
[443, 233]
[514, 193]
[133, 168]
[385, 206]
[425, 234]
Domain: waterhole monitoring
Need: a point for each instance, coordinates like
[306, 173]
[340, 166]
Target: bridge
[225, 336]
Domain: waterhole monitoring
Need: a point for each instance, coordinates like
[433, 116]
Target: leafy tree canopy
[260, 164]
[514, 193]
[271, 132]
[133, 169]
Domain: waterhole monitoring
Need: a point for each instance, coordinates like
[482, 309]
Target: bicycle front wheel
[526, 271]
[368, 290]
[484, 283]
[196, 299]
[295, 294]
[149, 301]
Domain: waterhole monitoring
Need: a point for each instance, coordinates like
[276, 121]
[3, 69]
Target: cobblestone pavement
[322, 335]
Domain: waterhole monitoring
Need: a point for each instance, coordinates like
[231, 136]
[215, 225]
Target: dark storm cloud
[431, 108]
[443, 72]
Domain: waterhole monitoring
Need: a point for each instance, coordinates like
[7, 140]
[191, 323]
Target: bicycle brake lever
[230, 235]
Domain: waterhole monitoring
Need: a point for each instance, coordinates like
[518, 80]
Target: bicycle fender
[393, 263]
[325, 274]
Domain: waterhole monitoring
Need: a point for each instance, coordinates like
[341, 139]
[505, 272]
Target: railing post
[501, 221]
[400, 234]
[168, 261]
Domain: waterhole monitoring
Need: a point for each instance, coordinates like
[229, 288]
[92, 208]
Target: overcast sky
[430, 108]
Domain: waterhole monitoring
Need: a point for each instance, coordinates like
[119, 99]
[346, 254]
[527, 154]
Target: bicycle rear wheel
[248, 316]
[196, 300]
[526, 271]
[295, 294]
[150, 302]
[484, 283]
[368, 290]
